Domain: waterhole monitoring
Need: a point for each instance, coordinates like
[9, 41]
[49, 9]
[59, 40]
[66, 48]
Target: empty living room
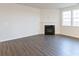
[39, 29]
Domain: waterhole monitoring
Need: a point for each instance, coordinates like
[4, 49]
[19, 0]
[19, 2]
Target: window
[70, 18]
[75, 18]
[66, 18]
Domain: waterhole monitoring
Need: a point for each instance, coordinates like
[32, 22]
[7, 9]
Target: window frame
[72, 19]
[62, 18]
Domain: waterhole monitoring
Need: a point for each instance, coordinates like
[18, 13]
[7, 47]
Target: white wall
[70, 30]
[18, 21]
[50, 17]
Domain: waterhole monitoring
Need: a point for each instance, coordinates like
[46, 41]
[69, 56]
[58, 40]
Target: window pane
[66, 22]
[75, 17]
[66, 16]
[76, 13]
[76, 22]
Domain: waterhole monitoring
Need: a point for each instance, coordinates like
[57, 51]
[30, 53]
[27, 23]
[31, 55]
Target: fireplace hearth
[49, 30]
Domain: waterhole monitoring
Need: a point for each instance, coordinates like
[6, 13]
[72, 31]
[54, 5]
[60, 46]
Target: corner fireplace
[49, 29]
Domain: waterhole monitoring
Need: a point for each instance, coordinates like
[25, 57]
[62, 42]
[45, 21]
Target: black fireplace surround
[49, 30]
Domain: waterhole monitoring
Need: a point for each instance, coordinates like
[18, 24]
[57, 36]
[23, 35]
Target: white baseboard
[75, 36]
[17, 38]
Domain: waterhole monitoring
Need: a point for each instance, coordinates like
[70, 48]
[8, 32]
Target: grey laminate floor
[41, 45]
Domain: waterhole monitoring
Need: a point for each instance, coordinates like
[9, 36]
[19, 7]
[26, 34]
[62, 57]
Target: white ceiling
[49, 5]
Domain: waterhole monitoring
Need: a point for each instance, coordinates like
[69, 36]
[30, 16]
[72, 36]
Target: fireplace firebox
[49, 30]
